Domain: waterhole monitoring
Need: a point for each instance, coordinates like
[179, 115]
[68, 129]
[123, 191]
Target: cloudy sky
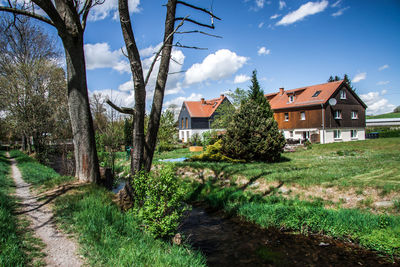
[291, 43]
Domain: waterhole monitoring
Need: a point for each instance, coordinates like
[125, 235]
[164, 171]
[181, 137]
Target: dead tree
[144, 146]
[69, 18]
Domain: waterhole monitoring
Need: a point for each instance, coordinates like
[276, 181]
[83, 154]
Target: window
[353, 133]
[306, 135]
[291, 134]
[316, 93]
[187, 124]
[338, 114]
[182, 123]
[342, 94]
[337, 134]
[354, 115]
[303, 115]
[286, 116]
[291, 98]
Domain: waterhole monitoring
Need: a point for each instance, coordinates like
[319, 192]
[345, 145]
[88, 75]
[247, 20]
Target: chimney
[281, 90]
[203, 101]
[222, 95]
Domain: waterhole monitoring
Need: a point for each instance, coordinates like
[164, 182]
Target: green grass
[385, 116]
[18, 246]
[371, 163]
[378, 232]
[108, 237]
[38, 175]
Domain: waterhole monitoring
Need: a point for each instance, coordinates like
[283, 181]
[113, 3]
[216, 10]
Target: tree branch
[27, 13]
[198, 8]
[159, 51]
[124, 110]
[197, 23]
[190, 47]
[205, 33]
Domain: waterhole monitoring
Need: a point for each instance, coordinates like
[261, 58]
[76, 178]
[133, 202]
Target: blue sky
[290, 43]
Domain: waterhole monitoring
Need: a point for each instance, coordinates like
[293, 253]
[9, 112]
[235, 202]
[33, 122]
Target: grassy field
[371, 163]
[107, 236]
[385, 116]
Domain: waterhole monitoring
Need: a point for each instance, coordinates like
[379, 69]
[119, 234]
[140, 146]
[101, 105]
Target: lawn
[385, 116]
[371, 163]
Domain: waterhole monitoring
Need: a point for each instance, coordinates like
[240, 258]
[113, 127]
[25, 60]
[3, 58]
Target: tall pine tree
[253, 133]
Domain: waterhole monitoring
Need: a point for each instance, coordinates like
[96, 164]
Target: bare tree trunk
[155, 115]
[86, 161]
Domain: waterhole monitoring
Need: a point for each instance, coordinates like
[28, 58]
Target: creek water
[229, 241]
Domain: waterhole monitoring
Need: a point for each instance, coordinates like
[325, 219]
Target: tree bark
[155, 115]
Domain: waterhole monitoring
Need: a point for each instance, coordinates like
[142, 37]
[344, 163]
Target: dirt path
[60, 251]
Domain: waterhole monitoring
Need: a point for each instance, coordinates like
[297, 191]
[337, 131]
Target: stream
[229, 241]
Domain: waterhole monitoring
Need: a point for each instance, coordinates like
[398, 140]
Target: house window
[337, 134]
[303, 115]
[187, 124]
[354, 115]
[306, 135]
[338, 114]
[353, 133]
[291, 134]
[286, 116]
[291, 98]
[342, 94]
[316, 93]
[182, 123]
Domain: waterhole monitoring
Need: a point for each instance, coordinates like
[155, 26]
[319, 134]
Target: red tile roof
[303, 96]
[203, 108]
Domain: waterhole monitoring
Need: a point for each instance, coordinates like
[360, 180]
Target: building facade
[324, 113]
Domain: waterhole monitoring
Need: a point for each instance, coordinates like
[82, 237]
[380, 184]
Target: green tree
[396, 110]
[253, 133]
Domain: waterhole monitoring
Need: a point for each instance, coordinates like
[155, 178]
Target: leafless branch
[177, 62]
[177, 72]
[205, 33]
[161, 48]
[196, 22]
[198, 8]
[124, 110]
[26, 13]
[123, 52]
[190, 47]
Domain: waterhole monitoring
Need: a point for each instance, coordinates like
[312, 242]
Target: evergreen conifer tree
[253, 133]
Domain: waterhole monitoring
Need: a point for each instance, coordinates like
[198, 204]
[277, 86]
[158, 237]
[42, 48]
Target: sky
[291, 44]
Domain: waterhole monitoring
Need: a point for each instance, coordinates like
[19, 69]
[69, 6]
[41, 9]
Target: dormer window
[342, 94]
[291, 98]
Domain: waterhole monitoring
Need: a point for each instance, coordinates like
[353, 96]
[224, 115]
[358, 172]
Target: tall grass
[378, 232]
[108, 237]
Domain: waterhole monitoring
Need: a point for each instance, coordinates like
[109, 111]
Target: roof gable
[204, 108]
[307, 96]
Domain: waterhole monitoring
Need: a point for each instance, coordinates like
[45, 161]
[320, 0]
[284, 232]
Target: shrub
[209, 138]
[213, 153]
[159, 201]
[196, 140]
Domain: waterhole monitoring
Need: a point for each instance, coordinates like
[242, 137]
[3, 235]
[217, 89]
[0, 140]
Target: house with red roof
[323, 113]
[196, 117]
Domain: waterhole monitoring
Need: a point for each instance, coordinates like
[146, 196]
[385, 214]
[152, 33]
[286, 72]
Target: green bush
[163, 146]
[195, 140]
[213, 153]
[159, 201]
[209, 138]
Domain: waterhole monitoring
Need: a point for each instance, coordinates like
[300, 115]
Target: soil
[59, 250]
[229, 241]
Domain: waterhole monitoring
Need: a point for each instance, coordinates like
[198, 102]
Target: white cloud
[260, 3]
[263, 51]
[282, 4]
[122, 99]
[179, 100]
[275, 16]
[336, 3]
[339, 12]
[241, 78]
[100, 56]
[386, 66]
[383, 92]
[382, 83]
[359, 77]
[219, 65]
[309, 8]
[110, 7]
[376, 103]
[261, 24]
